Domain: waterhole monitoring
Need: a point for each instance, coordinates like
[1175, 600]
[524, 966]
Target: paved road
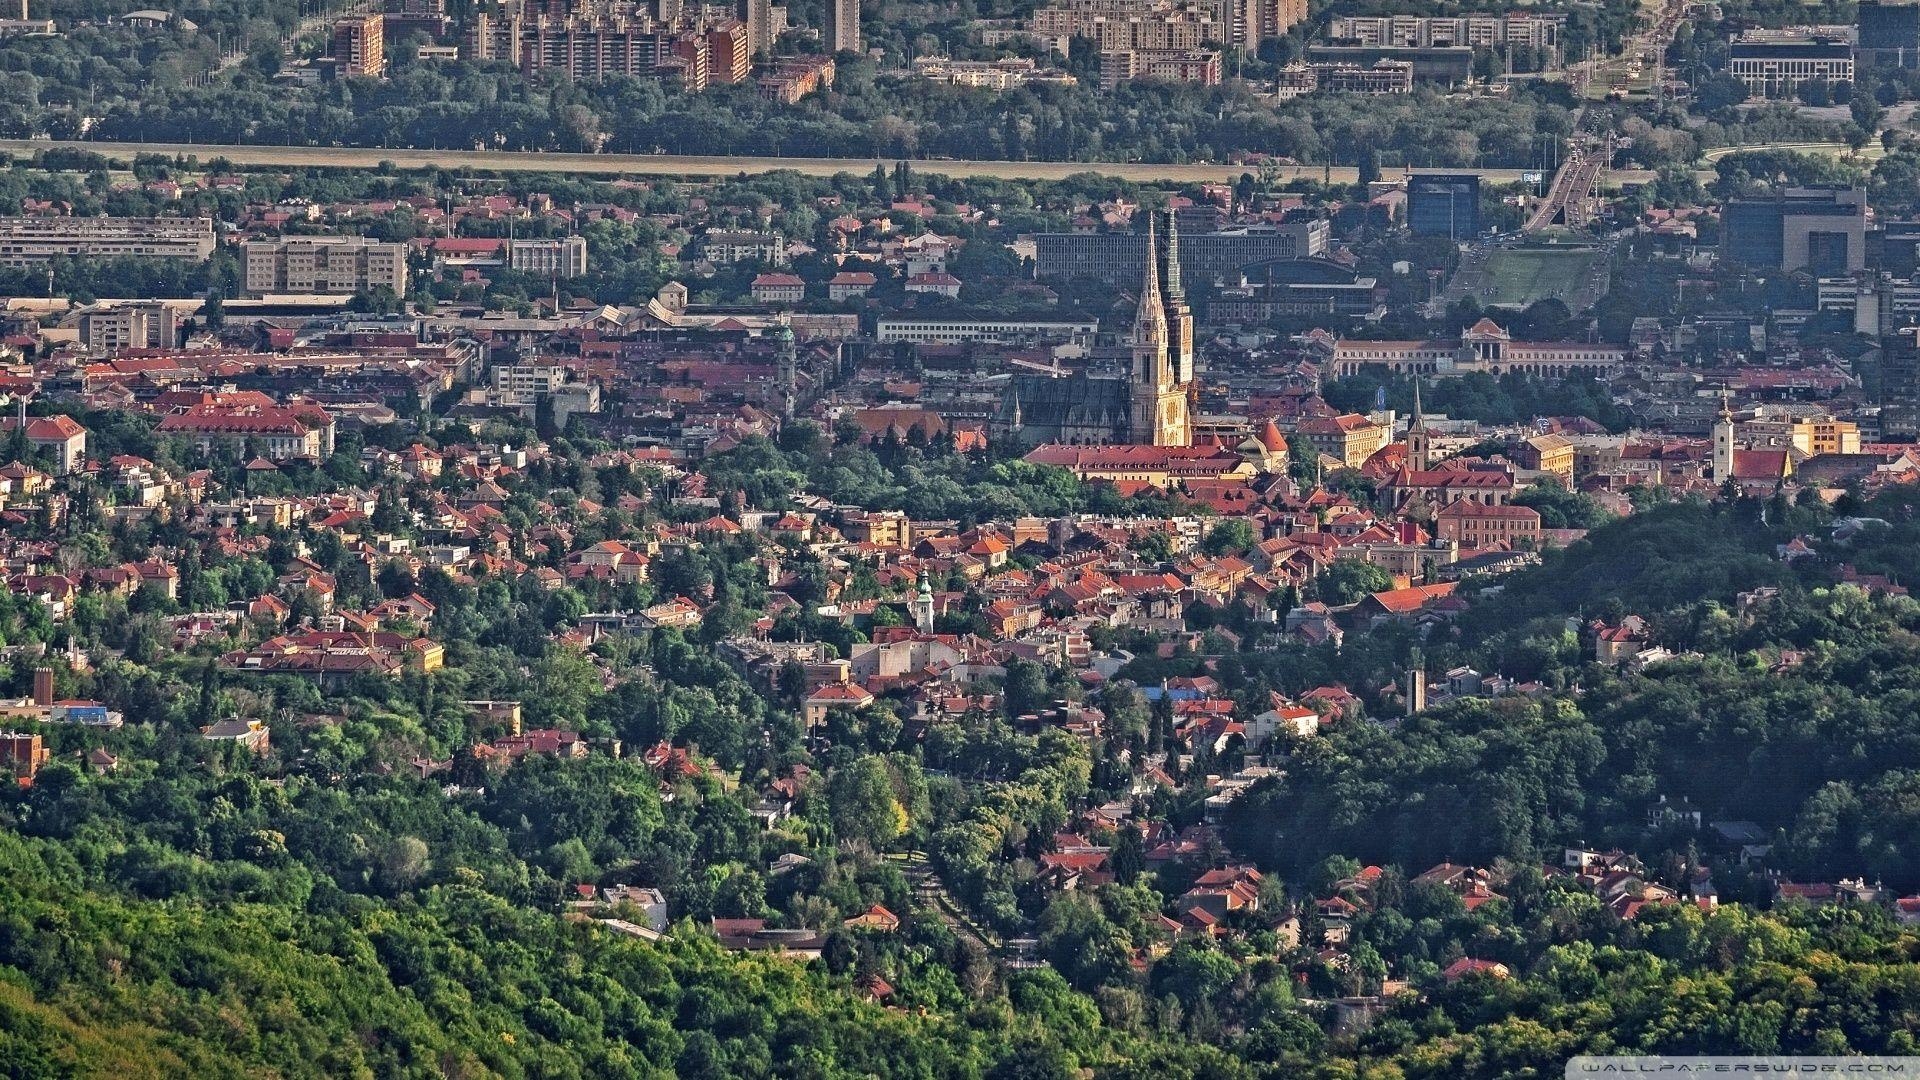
[674, 165]
[1572, 188]
[1582, 174]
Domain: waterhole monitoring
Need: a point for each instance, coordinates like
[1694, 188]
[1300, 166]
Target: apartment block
[565, 257]
[729, 52]
[1197, 66]
[359, 46]
[1476, 31]
[590, 48]
[129, 326]
[1123, 25]
[28, 240]
[757, 16]
[323, 265]
[1383, 77]
[794, 77]
[842, 32]
[523, 384]
[726, 248]
[1255, 21]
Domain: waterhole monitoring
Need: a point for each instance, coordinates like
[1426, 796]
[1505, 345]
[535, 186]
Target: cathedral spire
[1174, 289]
[1150, 318]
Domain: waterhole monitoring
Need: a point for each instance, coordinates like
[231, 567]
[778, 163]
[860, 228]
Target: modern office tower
[1444, 204]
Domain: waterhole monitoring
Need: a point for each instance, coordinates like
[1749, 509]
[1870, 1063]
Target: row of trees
[467, 106]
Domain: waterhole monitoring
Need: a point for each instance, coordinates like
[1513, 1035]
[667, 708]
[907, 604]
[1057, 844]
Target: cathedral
[1152, 405]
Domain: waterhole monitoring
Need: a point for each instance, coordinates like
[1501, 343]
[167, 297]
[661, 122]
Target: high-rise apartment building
[758, 17]
[1255, 21]
[359, 46]
[1201, 66]
[842, 32]
[1130, 25]
[729, 52]
[590, 49]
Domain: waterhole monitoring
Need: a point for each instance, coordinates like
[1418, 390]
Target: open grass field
[337, 157]
[1519, 276]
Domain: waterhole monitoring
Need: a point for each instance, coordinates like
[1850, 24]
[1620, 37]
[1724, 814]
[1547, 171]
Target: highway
[1570, 198]
[691, 166]
[1573, 186]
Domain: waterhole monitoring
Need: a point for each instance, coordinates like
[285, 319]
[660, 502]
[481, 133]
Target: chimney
[43, 686]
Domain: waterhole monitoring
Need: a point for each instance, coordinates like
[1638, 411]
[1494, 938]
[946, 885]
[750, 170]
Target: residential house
[782, 288]
[850, 284]
[1615, 645]
[935, 284]
[842, 695]
[249, 734]
[61, 436]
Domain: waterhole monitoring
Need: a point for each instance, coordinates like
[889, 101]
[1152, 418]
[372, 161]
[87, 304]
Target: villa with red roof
[1467, 965]
[779, 288]
[846, 695]
[608, 560]
[62, 435]
[277, 432]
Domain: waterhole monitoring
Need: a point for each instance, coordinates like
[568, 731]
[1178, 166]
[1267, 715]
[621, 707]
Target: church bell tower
[1723, 441]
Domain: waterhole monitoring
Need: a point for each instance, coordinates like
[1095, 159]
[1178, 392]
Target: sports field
[1517, 277]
